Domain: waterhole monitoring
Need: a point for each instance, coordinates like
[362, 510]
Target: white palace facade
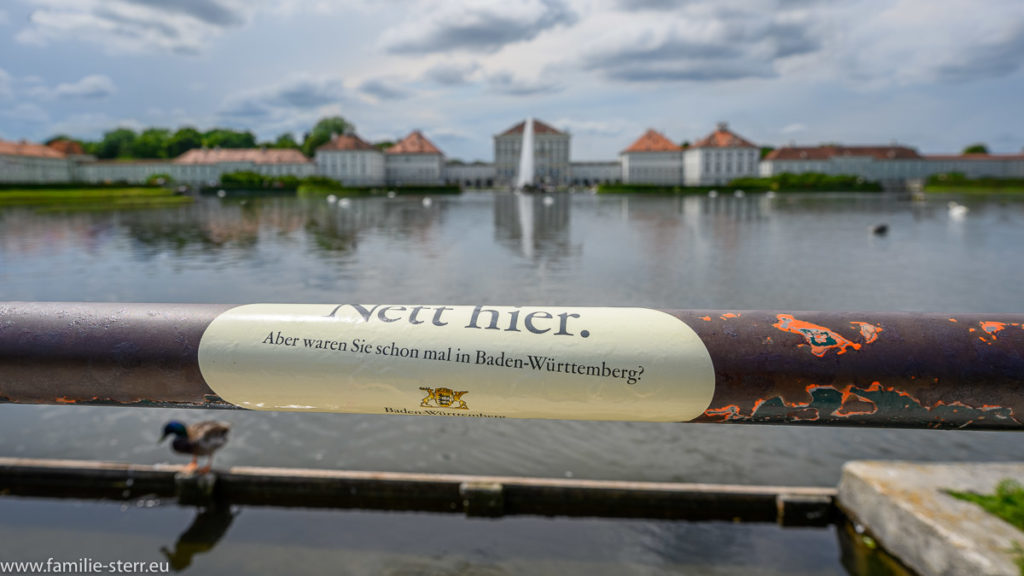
[653, 158]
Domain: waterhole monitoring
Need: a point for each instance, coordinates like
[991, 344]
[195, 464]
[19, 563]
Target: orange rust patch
[991, 329]
[868, 331]
[65, 400]
[729, 315]
[854, 402]
[819, 338]
[727, 413]
[706, 318]
[804, 415]
[952, 320]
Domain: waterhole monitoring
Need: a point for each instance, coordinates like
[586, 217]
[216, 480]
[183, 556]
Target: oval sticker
[567, 363]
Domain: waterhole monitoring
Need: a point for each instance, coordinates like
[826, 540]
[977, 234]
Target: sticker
[631, 364]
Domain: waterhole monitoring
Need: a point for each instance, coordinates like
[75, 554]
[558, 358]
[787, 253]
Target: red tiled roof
[126, 162]
[652, 141]
[66, 146]
[538, 128]
[826, 152]
[974, 157]
[28, 149]
[347, 142]
[414, 143]
[254, 155]
[722, 137]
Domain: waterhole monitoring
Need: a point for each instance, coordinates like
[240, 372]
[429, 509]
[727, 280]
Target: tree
[685, 144]
[227, 138]
[978, 148]
[116, 144]
[322, 133]
[766, 150]
[184, 140]
[152, 143]
[56, 137]
[383, 145]
[286, 140]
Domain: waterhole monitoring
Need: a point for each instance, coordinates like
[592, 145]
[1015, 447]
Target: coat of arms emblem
[444, 398]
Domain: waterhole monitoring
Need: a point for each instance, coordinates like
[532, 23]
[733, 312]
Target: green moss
[1007, 503]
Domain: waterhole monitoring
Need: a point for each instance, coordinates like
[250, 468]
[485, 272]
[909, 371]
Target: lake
[792, 252]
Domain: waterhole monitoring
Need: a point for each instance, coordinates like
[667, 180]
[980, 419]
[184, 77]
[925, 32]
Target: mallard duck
[199, 439]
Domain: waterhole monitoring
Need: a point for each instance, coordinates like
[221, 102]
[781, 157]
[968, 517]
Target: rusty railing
[771, 367]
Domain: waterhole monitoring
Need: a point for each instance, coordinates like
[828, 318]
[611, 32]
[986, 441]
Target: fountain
[524, 181]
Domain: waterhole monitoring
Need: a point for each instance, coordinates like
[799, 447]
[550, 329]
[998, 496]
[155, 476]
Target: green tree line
[162, 143]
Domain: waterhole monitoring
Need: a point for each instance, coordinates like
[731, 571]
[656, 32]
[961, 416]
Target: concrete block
[906, 508]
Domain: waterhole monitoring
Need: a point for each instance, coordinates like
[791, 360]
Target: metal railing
[770, 367]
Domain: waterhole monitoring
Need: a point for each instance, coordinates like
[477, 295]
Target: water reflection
[534, 226]
[265, 540]
[207, 529]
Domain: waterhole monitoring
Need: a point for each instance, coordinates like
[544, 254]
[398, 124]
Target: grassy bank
[657, 190]
[974, 190]
[323, 189]
[23, 187]
[957, 183]
[809, 182]
[91, 198]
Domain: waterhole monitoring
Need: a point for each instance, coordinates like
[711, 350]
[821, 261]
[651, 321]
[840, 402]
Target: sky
[937, 75]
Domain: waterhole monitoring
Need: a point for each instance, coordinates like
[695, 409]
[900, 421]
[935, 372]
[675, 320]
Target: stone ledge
[904, 505]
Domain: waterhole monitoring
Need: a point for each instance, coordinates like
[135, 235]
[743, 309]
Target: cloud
[4, 19]
[451, 74]
[637, 5]
[91, 87]
[383, 89]
[451, 135]
[511, 85]
[92, 125]
[27, 113]
[5, 84]
[794, 128]
[923, 42]
[298, 93]
[595, 127]
[210, 12]
[704, 44]
[179, 26]
[998, 56]
[475, 25]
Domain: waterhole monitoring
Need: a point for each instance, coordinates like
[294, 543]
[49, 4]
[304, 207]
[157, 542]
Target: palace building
[414, 160]
[719, 157]
[351, 160]
[652, 159]
[28, 163]
[551, 154]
